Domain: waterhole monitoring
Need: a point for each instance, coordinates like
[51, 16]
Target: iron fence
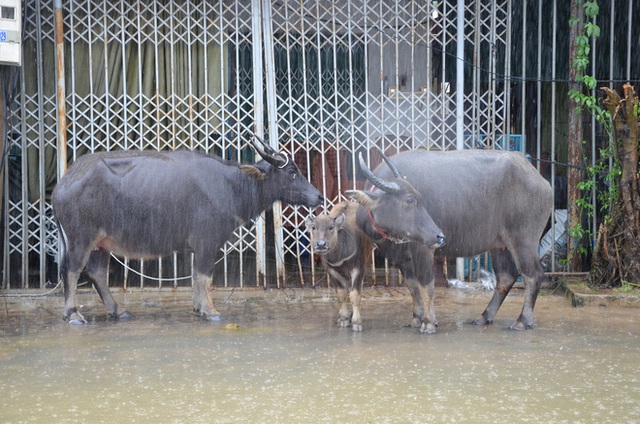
[321, 80]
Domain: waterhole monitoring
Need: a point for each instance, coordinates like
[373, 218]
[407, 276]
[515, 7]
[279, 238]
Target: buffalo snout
[321, 246]
[440, 240]
[313, 199]
[319, 199]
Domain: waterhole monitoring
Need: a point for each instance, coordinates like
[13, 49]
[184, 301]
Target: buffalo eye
[410, 200]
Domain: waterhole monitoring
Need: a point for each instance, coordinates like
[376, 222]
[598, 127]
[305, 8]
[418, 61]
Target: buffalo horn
[386, 186]
[390, 164]
[269, 154]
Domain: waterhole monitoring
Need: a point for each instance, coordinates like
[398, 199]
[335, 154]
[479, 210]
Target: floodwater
[279, 357]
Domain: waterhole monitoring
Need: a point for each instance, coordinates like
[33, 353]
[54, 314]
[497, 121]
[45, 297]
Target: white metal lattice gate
[320, 79]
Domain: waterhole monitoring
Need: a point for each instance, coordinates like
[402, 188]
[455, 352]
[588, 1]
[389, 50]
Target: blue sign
[3, 35]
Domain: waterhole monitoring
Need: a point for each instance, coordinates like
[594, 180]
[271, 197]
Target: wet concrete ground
[287, 361]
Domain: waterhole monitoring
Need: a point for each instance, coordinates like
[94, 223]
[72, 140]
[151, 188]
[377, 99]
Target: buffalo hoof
[343, 323]
[519, 326]
[214, 318]
[481, 321]
[356, 327]
[78, 321]
[123, 315]
[416, 322]
[427, 328]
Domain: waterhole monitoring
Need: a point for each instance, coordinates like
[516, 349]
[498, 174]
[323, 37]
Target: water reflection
[288, 361]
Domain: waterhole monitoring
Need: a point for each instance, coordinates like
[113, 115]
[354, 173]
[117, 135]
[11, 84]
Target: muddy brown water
[283, 359]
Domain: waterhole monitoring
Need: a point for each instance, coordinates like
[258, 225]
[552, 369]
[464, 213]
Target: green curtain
[169, 90]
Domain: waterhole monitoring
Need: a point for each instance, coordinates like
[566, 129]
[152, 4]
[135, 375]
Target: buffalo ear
[253, 172]
[367, 199]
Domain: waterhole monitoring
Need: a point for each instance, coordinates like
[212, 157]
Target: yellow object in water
[232, 326]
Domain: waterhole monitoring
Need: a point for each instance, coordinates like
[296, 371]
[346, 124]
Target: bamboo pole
[61, 91]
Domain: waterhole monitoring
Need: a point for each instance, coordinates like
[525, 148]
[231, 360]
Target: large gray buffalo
[482, 201]
[147, 204]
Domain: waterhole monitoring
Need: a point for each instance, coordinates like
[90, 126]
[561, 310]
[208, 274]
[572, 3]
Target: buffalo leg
[70, 285]
[72, 262]
[357, 275]
[426, 287]
[416, 296]
[429, 322]
[202, 300]
[506, 275]
[408, 274]
[423, 308]
[97, 269]
[420, 282]
[344, 317]
[532, 273]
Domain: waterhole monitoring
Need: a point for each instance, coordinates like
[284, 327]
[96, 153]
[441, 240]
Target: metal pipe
[612, 33]
[523, 84]
[258, 105]
[507, 84]
[336, 104]
[272, 115]
[629, 42]
[413, 72]
[292, 132]
[474, 130]
[460, 77]
[140, 94]
[156, 56]
[443, 74]
[539, 87]
[107, 98]
[172, 71]
[493, 59]
[460, 103]
[553, 122]
[189, 44]
[594, 228]
[367, 112]
[303, 47]
[125, 97]
[396, 82]
[429, 95]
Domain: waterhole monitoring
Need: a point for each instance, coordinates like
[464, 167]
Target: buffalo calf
[344, 250]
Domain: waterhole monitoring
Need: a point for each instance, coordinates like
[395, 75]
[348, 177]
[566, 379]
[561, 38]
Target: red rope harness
[375, 226]
[384, 235]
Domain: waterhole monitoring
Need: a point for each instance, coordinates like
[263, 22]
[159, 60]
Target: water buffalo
[343, 246]
[344, 250]
[482, 201]
[147, 204]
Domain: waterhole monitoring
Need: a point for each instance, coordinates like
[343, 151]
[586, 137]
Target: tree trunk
[575, 137]
[616, 257]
